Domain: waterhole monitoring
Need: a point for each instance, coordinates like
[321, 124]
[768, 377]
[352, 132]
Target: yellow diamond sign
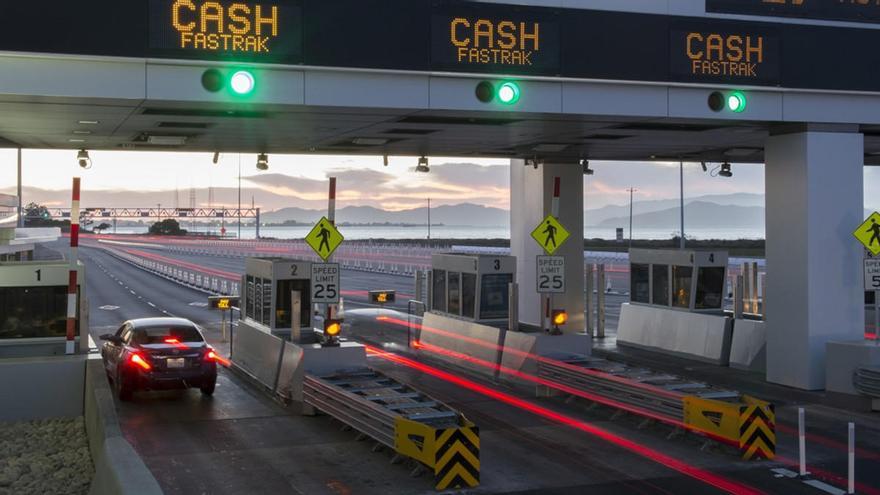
[869, 233]
[324, 238]
[550, 234]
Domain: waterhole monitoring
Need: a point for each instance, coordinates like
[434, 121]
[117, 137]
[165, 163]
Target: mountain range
[740, 210]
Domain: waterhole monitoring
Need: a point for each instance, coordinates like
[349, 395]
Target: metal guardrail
[722, 415]
[867, 381]
[401, 418]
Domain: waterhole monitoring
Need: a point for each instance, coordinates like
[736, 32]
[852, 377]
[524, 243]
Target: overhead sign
[872, 274]
[724, 53]
[550, 234]
[325, 283]
[829, 10]
[243, 29]
[551, 275]
[868, 233]
[510, 41]
[324, 238]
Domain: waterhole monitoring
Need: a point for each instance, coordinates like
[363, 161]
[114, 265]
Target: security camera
[587, 169]
[725, 170]
[83, 158]
[423, 167]
[262, 162]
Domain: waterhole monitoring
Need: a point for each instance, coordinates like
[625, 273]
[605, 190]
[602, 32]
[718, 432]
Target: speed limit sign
[325, 283]
[551, 275]
[872, 274]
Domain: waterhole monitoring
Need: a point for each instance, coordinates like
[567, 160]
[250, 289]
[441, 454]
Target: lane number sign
[551, 275]
[325, 283]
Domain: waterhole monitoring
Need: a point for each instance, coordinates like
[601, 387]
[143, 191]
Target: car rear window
[158, 335]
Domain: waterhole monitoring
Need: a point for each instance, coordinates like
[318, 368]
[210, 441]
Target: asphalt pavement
[240, 441]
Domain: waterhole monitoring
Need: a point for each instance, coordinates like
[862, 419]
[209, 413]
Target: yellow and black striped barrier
[749, 424]
[453, 453]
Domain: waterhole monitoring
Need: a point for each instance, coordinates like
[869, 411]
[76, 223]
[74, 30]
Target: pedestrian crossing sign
[869, 233]
[550, 234]
[324, 238]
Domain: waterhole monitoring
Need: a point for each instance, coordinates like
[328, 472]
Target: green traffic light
[736, 102]
[242, 83]
[508, 93]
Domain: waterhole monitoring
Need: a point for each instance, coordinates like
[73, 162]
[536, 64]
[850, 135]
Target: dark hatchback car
[159, 354]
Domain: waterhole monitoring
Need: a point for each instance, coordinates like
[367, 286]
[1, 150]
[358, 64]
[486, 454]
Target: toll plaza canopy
[333, 47]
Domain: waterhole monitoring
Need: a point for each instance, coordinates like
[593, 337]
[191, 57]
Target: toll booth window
[33, 312]
[660, 284]
[258, 300]
[710, 288]
[249, 304]
[438, 291]
[283, 311]
[468, 294]
[266, 314]
[454, 289]
[681, 286]
[640, 283]
[494, 301]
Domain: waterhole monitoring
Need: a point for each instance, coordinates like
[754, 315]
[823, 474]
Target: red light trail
[694, 472]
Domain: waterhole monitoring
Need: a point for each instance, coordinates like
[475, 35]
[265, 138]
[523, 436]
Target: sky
[301, 180]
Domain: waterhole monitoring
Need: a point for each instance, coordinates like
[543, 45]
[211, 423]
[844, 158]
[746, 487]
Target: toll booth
[473, 287]
[33, 309]
[686, 280]
[276, 297]
[677, 305]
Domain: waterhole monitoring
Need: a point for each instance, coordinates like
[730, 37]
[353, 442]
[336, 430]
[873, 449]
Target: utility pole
[429, 219]
[681, 197]
[239, 196]
[20, 209]
[631, 191]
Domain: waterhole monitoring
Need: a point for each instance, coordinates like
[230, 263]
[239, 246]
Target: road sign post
[324, 238]
[872, 283]
[551, 275]
[325, 283]
[550, 234]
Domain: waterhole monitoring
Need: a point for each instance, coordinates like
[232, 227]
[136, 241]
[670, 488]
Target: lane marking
[151, 304]
[109, 307]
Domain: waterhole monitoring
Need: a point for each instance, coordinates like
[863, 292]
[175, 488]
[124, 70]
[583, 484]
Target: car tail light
[172, 341]
[137, 359]
[211, 355]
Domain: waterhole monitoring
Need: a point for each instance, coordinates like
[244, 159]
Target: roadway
[240, 441]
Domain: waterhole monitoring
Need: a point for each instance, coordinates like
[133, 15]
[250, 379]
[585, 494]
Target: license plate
[175, 363]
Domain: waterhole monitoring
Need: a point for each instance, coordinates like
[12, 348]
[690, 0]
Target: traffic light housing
[504, 92]
[732, 101]
[559, 317]
[237, 82]
[332, 329]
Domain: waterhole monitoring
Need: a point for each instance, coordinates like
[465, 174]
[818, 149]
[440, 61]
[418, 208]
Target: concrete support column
[531, 193]
[814, 190]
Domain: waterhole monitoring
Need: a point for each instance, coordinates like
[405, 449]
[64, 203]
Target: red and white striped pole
[554, 207]
[331, 207]
[72, 282]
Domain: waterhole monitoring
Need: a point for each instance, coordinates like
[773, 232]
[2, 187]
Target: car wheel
[208, 388]
[123, 389]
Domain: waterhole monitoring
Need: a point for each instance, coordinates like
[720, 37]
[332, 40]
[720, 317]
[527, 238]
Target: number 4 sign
[551, 274]
[325, 283]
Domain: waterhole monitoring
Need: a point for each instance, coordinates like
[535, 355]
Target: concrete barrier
[257, 353]
[41, 387]
[691, 335]
[464, 337]
[748, 347]
[118, 468]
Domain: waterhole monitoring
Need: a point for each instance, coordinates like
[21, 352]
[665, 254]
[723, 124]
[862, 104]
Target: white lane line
[151, 304]
[119, 282]
[132, 292]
